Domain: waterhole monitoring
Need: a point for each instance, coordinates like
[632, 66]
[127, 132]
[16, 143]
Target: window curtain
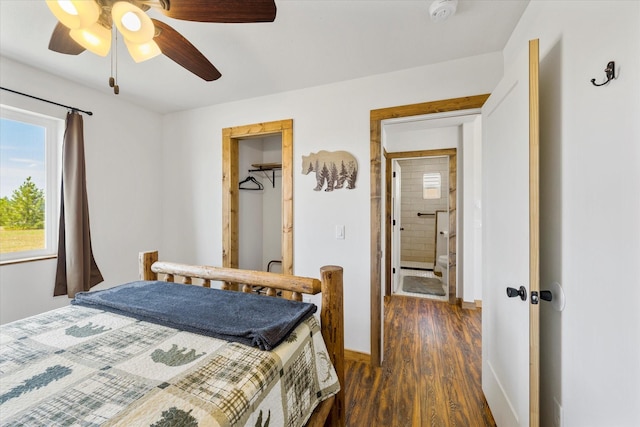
[77, 269]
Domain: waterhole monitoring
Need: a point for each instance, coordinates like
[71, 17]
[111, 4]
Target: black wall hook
[610, 72]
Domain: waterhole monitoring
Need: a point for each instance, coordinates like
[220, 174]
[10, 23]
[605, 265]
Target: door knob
[521, 292]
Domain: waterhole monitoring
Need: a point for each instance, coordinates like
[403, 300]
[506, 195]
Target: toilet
[443, 264]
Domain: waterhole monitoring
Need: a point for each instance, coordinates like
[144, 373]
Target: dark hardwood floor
[431, 372]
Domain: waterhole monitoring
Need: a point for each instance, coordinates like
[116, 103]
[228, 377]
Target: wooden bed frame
[330, 412]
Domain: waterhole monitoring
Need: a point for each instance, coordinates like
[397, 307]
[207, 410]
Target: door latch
[545, 295]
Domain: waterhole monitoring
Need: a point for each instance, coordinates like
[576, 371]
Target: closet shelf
[264, 168]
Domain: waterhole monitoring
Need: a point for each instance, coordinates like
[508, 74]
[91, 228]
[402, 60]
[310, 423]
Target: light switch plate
[340, 232]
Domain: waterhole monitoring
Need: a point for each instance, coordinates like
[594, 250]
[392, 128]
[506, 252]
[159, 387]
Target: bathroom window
[431, 184]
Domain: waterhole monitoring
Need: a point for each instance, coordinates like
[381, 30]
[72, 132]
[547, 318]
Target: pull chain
[113, 82]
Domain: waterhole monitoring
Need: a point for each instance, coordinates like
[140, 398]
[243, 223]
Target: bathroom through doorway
[422, 187]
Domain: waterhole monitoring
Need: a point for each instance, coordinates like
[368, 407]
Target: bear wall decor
[333, 167]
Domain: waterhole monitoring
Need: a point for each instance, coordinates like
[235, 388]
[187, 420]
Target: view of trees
[24, 210]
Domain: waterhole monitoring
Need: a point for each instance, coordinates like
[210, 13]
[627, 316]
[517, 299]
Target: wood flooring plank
[431, 373]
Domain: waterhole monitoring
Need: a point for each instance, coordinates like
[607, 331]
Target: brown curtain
[77, 270]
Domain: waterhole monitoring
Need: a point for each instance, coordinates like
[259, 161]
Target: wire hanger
[253, 184]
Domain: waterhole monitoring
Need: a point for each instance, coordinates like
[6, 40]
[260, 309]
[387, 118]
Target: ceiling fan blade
[62, 42]
[229, 11]
[173, 45]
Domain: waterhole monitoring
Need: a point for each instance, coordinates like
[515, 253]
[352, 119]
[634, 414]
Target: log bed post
[145, 261]
[332, 324]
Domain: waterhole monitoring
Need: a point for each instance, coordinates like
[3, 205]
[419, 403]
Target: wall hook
[610, 72]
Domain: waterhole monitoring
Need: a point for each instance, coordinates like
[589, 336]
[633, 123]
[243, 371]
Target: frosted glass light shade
[75, 14]
[96, 38]
[142, 51]
[134, 24]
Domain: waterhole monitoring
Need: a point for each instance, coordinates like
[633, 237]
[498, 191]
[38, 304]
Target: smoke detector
[440, 10]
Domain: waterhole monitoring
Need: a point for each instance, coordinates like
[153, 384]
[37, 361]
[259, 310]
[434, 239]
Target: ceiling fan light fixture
[75, 14]
[132, 22]
[142, 51]
[96, 38]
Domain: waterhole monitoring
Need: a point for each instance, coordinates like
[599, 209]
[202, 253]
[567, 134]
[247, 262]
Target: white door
[510, 244]
[396, 193]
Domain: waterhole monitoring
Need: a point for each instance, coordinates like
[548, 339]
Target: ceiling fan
[87, 25]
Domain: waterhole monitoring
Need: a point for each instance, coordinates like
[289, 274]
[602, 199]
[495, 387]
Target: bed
[153, 352]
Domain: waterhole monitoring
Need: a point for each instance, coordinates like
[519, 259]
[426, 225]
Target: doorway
[260, 203]
[422, 234]
[380, 218]
[231, 140]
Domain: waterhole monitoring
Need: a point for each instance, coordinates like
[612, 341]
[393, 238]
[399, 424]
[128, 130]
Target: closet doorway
[232, 139]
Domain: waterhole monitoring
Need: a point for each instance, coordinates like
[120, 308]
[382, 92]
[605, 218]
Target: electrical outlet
[557, 413]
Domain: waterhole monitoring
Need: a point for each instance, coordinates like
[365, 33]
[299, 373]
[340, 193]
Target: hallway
[431, 375]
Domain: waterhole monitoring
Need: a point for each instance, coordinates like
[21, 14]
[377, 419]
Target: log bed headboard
[332, 411]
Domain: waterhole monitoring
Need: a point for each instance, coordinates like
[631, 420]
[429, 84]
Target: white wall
[331, 117]
[123, 158]
[250, 208]
[590, 207]
[272, 206]
[470, 228]
[399, 137]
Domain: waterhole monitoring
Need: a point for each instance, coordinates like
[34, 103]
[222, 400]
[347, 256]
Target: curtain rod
[46, 100]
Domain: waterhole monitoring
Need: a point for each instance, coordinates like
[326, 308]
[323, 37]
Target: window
[431, 183]
[29, 183]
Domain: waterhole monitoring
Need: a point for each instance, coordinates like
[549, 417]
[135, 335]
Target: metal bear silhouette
[333, 167]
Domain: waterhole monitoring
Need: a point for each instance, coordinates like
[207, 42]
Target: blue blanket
[250, 319]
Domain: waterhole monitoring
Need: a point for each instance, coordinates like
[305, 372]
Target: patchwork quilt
[84, 366]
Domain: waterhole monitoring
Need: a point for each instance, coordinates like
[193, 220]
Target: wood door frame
[534, 230]
[375, 127]
[451, 153]
[231, 138]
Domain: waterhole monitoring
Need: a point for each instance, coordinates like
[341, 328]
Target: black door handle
[513, 292]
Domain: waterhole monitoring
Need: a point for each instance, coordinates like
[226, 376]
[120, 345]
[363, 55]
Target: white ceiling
[311, 43]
